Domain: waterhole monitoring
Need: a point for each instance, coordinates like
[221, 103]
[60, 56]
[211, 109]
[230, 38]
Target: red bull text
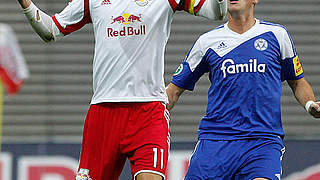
[126, 31]
[126, 19]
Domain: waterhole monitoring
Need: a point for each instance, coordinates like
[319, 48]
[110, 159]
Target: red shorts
[116, 131]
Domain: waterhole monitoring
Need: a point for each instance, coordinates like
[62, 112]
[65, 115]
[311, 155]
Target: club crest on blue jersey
[229, 67]
[261, 44]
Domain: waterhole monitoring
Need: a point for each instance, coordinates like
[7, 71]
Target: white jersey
[130, 39]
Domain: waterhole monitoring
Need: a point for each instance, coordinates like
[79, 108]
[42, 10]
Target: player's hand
[24, 3]
[314, 109]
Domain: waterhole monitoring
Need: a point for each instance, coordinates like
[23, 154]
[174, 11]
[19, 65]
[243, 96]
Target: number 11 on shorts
[155, 157]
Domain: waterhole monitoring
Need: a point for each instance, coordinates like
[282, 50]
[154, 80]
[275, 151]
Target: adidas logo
[105, 2]
[222, 45]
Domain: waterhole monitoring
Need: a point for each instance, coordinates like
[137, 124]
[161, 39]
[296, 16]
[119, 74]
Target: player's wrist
[308, 104]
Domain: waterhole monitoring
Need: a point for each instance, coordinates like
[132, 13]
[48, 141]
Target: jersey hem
[132, 99]
[272, 137]
[149, 171]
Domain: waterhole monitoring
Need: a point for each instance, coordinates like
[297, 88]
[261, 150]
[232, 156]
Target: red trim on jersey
[73, 27]
[196, 9]
[173, 4]
[187, 5]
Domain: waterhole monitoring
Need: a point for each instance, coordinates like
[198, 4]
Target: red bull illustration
[126, 19]
[119, 19]
[133, 18]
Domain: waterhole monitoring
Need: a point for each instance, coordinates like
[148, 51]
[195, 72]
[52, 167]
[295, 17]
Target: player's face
[240, 6]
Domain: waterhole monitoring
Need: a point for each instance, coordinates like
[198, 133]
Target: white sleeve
[73, 17]
[42, 24]
[195, 55]
[214, 9]
[287, 47]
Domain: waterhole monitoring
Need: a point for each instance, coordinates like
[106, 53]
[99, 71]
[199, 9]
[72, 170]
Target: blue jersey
[246, 73]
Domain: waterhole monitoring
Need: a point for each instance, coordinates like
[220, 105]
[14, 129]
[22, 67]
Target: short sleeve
[73, 17]
[191, 69]
[291, 67]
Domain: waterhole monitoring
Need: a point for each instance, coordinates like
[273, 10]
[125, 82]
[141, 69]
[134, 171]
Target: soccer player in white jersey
[240, 137]
[127, 116]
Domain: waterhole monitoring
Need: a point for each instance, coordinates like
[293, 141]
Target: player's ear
[255, 2]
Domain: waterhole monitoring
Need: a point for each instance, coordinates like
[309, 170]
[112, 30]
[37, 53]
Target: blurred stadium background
[51, 107]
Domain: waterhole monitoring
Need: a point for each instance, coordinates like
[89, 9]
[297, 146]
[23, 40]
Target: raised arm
[72, 18]
[305, 96]
[42, 24]
[173, 93]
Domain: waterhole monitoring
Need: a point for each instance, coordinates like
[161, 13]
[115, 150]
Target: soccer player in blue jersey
[240, 137]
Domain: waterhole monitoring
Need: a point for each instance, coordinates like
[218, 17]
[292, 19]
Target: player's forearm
[42, 24]
[214, 9]
[302, 91]
[304, 94]
[24, 3]
[173, 93]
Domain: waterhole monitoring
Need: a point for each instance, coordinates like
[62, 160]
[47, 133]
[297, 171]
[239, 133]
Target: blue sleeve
[185, 78]
[291, 69]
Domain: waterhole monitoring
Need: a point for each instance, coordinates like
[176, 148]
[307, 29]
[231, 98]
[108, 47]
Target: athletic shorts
[114, 132]
[236, 160]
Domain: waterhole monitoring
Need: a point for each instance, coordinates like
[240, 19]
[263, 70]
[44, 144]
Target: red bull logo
[311, 173]
[126, 19]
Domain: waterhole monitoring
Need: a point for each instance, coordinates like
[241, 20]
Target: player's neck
[241, 24]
